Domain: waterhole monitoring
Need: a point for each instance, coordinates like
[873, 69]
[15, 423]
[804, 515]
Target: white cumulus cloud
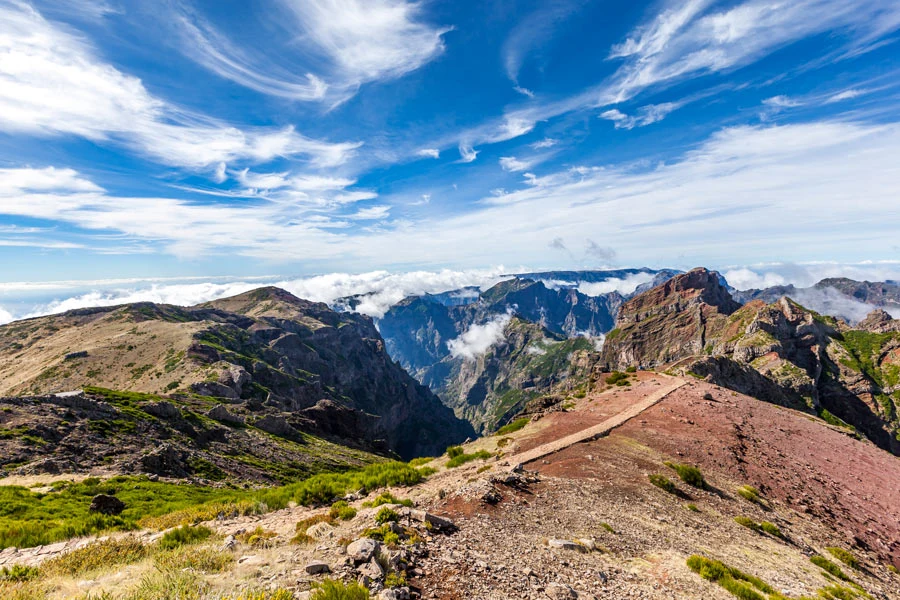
[478, 339]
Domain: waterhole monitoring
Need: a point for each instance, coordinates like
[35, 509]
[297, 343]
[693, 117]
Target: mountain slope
[265, 350]
[779, 352]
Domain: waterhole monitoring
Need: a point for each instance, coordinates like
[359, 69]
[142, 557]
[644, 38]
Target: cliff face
[265, 350]
[779, 352]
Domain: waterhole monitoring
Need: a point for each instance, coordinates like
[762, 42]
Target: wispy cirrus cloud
[322, 50]
[53, 83]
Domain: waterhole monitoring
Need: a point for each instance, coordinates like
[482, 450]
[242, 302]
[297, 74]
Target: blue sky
[190, 138]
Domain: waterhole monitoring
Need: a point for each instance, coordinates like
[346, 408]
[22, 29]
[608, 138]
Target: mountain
[264, 355]
[780, 352]
[527, 361]
[419, 330]
[839, 297]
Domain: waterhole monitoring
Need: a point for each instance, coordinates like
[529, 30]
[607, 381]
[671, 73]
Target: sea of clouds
[379, 290]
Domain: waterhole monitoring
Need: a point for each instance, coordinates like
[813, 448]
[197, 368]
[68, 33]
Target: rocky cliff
[780, 352]
[266, 351]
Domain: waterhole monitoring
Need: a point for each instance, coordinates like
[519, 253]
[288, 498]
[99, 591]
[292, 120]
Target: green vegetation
[202, 559]
[342, 510]
[738, 583]
[19, 573]
[833, 420]
[631, 369]
[387, 498]
[461, 459]
[418, 462]
[184, 535]
[750, 493]
[845, 556]
[689, 474]
[663, 483]
[386, 515]
[618, 378]
[864, 347]
[763, 527]
[513, 427]
[692, 507]
[394, 579]
[330, 589]
[829, 567]
[258, 537]
[607, 527]
[95, 557]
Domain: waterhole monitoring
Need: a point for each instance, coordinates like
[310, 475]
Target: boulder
[371, 569]
[277, 426]
[221, 414]
[362, 550]
[162, 409]
[433, 520]
[317, 566]
[106, 505]
[166, 460]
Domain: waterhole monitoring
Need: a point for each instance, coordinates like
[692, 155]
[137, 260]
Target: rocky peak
[696, 287]
[879, 321]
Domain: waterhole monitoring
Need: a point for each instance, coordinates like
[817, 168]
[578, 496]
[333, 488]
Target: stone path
[595, 432]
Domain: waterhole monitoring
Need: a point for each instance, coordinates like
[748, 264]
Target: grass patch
[96, 557]
[258, 537]
[422, 460]
[829, 567]
[330, 589]
[342, 510]
[513, 426]
[738, 583]
[19, 573]
[692, 507]
[663, 483]
[845, 556]
[203, 559]
[461, 459]
[750, 493]
[763, 527]
[183, 536]
[387, 498]
[607, 527]
[689, 474]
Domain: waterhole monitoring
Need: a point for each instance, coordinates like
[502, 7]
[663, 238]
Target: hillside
[779, 352]
[265, 353]
[791, 506]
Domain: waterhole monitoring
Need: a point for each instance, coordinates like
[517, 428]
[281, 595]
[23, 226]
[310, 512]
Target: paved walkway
[597, 431]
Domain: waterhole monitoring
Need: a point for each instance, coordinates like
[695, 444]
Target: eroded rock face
[779, 352]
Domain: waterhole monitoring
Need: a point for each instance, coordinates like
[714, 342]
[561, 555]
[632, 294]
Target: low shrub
[422, 460]
[461, 459]
[607, 527]
[342, 510]
[326, 487]
[631, 369]
[184, 535]
[829, 567]
[663, 483]
[689, 474]
[692, 507]
[203, 559]
[168, 585]
[616, 378]
[387, 498]
[771, 529]
[19, 573]
[750, 493]
[513, 426]
[845, 556]
[386, 515]
[258, 538]
[394, 579]
[97, 556]
[454, 451]
[764, 527]
[738, 583]
[330, 589]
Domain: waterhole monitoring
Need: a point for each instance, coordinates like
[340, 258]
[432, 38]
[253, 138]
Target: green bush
[342, 510]
[513, 427]
[738, 583]
[692, 507]
[829, 567]
[663, 483]
[617, 378]
[845, 556]
[19, 573]
[454, 451]
[386, 515]
[689, 474]
[330, 589]
[422, 460]
[325, 487]
[387, 498]
[461, 459]
[750, 493]
[182, 536]
[764, 527]
[631, 369]
[771, 529]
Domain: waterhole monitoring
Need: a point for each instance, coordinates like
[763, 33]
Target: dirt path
[597, 431]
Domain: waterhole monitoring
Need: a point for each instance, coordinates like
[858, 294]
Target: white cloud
[746, 279]
[781, 102]
[429, 153]
[5, 316]
[845, 95]
[323, 50]
[381, 289]
[524, 91]
[531, 34]
[372, 213]
[830, 301]
[544, 143]
[53, 83]
[647, 115]
[807, 274]
[467, 154]
[513, 164]
[478, 339]
[624, 286]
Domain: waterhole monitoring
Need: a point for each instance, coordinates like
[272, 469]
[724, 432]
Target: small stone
[316, 567]
[560, 591]
[566, 545]
[371, 569]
